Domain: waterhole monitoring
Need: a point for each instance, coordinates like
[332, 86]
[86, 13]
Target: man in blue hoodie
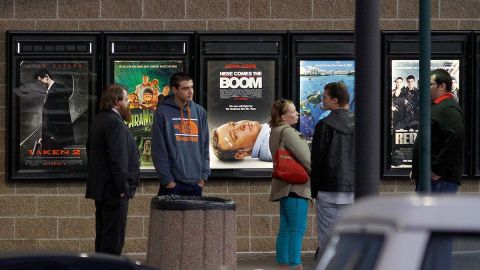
[180, 141]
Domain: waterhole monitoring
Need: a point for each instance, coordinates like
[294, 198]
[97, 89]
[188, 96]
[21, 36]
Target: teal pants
[293, 224]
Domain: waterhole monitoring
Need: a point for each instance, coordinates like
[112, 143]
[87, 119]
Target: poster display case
[450, 51]
[316, 60]
[143, 63]
[52, 81]
[476, 107]
[240, 77]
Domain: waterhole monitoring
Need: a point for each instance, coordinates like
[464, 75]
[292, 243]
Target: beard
[125, 113]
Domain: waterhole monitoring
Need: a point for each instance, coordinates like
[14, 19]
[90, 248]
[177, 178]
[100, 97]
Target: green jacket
[448, 138]
[295, 142]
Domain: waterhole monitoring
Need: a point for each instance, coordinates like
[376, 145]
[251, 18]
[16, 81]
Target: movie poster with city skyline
[313, 76]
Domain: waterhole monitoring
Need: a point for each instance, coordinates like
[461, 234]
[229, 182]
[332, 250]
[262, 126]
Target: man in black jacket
[333, 161]
[57, 129]
[113, 169]
[448, 136]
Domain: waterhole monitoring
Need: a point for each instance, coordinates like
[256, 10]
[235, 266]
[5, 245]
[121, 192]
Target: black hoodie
[333, 149]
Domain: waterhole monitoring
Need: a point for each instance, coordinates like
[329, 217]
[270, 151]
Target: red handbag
[287, 168]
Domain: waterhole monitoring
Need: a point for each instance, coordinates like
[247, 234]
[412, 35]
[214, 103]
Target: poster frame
[316, 46]
[446, 45]
[147, 46]
[240, 46]
[48, 47]
[476, 105]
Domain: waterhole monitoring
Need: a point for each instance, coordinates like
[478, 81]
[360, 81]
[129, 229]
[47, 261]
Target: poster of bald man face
[240, 97]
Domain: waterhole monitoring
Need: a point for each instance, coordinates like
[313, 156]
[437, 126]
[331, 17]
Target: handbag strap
[280, 143]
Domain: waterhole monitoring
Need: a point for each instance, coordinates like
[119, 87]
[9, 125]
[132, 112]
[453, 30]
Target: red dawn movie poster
[404, 111]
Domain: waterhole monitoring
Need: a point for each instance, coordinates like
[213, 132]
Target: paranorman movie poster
[405, 105]
[240, 97]
[314, 75]
[145, 82]
[51, 116]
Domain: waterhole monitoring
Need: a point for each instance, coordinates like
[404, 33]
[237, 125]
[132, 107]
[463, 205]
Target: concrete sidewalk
[267, 261]
[259, 261]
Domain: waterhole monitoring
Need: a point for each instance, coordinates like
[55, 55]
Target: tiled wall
[56, 216]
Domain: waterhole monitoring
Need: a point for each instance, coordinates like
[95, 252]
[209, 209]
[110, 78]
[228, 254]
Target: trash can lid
[179, 203]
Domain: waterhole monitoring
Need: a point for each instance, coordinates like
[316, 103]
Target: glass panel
[52, 115]
[452, 252]
[240, 98]
[405, 105]
[314, 75]
[351, 251]
[146, 82]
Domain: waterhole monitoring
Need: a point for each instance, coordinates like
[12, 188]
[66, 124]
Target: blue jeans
[439, 253]
[441, 186]
[293, 224]
[181, 189]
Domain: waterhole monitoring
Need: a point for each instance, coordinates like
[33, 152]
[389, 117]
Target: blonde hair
[279, 108]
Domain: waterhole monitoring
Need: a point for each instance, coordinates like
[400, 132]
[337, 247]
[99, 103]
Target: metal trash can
[191, 232]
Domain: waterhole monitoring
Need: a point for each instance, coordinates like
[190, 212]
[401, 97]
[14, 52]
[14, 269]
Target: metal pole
[425, 98]
[367, 98]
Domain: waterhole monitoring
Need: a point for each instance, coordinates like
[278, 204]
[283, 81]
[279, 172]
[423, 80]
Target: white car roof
[410, 212]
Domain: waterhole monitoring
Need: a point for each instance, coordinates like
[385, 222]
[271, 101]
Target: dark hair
[398, 78]
[110, 96]
[339, 91]
[179, 77]
[221, 154]
[148, 90]
[410, 77]
[442, 76]
[42, 73]
[279, 108]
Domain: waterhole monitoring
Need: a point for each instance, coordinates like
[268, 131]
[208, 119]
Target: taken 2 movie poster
[51, 116]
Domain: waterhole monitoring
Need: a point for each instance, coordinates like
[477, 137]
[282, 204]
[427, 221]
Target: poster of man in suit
[51, 115]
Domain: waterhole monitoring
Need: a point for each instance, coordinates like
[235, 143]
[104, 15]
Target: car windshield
[351, 251]
[446, 251]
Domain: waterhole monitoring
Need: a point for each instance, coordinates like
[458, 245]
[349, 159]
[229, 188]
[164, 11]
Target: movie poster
[314, 75]
[52, 116]
[240, 97]
[405, 105]
[145, 82]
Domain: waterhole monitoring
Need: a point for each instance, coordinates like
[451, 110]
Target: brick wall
[55, 216]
